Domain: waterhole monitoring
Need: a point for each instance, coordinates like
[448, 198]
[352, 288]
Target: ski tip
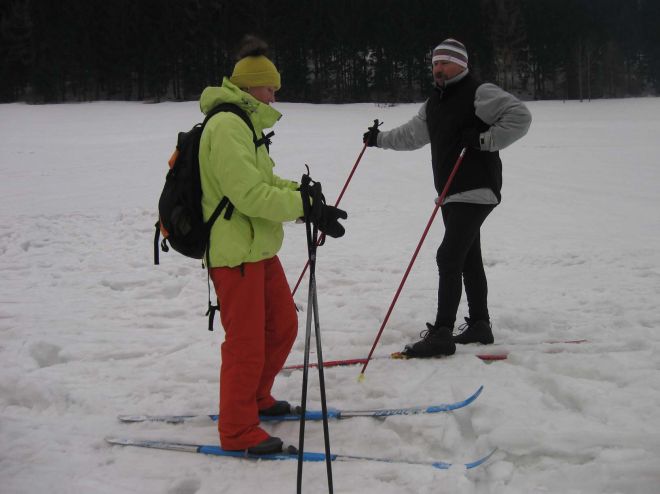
[131, 418]
[361, 377]
[489, 357]
[117, 440]
[480, 461]
[466, 401]
[399, 356]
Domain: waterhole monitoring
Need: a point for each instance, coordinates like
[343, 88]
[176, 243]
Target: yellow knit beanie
[255, 71]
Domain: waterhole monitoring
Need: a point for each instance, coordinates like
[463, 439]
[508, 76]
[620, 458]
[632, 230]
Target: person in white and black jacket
[461, 112]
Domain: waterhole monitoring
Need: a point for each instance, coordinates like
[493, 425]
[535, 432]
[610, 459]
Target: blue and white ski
[290, 453]
[333, 413]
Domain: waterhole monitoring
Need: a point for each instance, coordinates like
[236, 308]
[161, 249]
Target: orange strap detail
[173, 158]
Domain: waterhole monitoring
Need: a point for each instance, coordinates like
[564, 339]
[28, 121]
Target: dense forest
[327, 50]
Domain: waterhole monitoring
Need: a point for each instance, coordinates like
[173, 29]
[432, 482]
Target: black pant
[459, 255]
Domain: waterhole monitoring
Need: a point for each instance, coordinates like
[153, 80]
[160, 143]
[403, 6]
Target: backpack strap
[265, 140]
[225, 202]
[212, 309]
[236, 110]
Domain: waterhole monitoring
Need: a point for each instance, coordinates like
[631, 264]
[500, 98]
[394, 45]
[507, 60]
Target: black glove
[327, 220]
[370, 138]
[471, 138]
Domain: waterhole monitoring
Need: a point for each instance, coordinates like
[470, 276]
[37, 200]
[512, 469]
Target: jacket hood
[262, 115]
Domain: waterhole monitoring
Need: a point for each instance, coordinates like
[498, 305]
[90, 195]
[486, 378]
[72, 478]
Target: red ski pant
[260, 321]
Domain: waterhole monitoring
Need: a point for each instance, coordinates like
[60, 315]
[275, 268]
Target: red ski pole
[341, 194]
[439, 202]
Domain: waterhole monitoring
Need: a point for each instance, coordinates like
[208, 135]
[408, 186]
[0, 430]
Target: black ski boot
[268, 446]
[474, 332]
[279, 408]
[435, 342]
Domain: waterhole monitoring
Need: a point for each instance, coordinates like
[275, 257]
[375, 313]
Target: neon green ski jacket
[231, 166]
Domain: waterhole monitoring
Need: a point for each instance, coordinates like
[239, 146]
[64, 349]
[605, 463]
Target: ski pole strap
[305, 193]
[211, 313]
[156, 238]
[313, 200]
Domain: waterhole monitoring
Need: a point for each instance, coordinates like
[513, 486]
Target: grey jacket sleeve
[508, 117]
[411, 135]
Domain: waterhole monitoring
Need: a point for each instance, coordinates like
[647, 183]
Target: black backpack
[180, 218]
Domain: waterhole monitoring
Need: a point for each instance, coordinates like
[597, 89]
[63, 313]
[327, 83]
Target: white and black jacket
[465, 103]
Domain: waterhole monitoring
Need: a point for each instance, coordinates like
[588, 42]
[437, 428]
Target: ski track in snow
[90, 329]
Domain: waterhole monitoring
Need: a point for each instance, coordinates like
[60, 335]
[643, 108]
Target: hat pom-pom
[251, 46]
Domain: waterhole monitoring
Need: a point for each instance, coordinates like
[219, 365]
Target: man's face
[444, 70]
[265, 94]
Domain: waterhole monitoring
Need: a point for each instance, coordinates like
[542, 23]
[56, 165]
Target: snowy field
[90, 328]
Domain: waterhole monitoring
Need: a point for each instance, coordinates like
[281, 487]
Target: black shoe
[268, 446]
[279, 408]
[475, 332]
[435, 342]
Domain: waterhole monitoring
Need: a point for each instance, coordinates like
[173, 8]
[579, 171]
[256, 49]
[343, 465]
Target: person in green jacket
[257, 310]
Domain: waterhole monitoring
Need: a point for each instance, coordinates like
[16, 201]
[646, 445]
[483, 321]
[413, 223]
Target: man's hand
[370, 138]
[471, 138]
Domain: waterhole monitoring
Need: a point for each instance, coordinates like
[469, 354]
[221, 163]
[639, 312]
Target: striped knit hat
[451, 50]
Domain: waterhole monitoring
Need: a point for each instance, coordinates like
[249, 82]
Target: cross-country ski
[290, 453]
[497, 353]
[316, 415]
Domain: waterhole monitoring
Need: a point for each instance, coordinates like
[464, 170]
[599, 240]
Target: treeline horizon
[327, 51]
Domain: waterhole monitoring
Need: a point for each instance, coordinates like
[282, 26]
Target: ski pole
[314, 190]
[341, 194]
[439, 202]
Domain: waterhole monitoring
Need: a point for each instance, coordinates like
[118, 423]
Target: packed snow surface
[90, 328]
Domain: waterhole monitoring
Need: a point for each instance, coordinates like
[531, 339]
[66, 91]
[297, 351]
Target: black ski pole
[314, 192]
[324, 407]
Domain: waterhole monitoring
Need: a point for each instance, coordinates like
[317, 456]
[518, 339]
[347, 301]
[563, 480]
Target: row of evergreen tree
[326, 50]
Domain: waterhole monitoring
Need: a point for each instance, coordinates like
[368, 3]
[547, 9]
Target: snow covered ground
[90, 329]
